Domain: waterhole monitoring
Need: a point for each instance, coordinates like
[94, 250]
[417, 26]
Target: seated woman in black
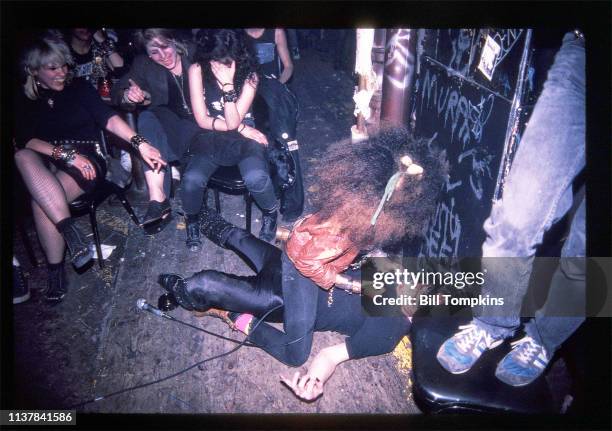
[58, 128]
[222, 85]
[370, 195]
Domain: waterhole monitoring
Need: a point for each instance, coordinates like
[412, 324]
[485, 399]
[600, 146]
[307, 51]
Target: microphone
[142, 304]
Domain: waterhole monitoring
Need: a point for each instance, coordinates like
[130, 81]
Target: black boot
[194, 243]
[268, 226]
[214, 227]
[57, 286]
[175, 285]
[156, 211]
[79, 246]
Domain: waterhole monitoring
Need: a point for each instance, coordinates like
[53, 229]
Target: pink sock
[243, 322]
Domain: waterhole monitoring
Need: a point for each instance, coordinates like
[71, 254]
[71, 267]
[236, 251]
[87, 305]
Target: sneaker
[194, 243]
[57, 286]
[459, 353]
[525, 363]
[21, 291]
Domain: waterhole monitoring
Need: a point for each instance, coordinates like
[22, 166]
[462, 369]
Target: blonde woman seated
[57, 131]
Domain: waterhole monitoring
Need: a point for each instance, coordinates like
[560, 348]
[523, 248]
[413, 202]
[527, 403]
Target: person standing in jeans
[538, 192]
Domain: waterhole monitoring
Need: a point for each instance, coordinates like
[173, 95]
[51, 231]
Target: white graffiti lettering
[398, 56]
[480, 167]
[461, 44]
[444, 232]
[506, 39]
[466, 118]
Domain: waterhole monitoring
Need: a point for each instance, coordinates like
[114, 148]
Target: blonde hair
[49, 50]
[144, 36]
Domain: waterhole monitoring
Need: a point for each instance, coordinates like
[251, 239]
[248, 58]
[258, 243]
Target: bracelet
[137, 140]
[243, 127]
[213, 124]
[230, 96]
[108, 47]
[60, 152]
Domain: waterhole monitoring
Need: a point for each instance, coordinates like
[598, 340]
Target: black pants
[304, 305]
[211, 150]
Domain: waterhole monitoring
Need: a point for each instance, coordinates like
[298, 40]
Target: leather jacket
[319, 251]
[150, 77]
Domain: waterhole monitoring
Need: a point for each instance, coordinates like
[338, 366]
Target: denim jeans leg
[151, 128]
[538, 189]
[256, 176]
[565, 307]
[193, 183]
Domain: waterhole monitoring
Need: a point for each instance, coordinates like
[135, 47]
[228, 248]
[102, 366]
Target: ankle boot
[57, 286]
[175, 285]
[194, 243]
[214, 227]
[268, 226]
[79, 247]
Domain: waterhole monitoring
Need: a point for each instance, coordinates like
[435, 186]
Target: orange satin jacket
[318, 251]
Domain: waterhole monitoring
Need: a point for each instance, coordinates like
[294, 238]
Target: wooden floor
[96, 342]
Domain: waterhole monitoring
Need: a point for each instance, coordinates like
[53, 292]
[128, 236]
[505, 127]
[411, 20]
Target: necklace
[180, 87]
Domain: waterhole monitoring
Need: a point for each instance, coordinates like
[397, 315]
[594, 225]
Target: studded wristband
[137, 140]
[230, 96]
[64, 154]
[108, 46]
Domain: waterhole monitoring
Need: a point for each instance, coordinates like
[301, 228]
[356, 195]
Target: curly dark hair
[352, 177]
[225, 45]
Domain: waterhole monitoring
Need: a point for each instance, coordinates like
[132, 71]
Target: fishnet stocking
[51, 192]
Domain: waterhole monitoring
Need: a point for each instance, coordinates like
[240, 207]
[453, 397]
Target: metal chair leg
[94, 228]
[217, 201]
[128, 207]
[248, 201]
[26, 243]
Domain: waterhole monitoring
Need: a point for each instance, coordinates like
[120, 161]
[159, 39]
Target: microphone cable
[162, 379]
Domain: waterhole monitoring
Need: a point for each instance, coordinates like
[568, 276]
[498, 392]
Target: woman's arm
[80, 162]
[149, 153]
[198, 100]
[113, 60]
[235, 112]
[40, 146]
[283, 52]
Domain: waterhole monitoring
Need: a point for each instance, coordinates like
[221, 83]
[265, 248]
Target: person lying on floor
[296, 286]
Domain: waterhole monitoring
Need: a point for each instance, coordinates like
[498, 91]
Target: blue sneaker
[525, 363]
[462, 350]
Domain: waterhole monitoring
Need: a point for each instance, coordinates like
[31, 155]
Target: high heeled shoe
[175, 284]
[156, 211]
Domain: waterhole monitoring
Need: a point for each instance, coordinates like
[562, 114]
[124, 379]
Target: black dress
[71, 117]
